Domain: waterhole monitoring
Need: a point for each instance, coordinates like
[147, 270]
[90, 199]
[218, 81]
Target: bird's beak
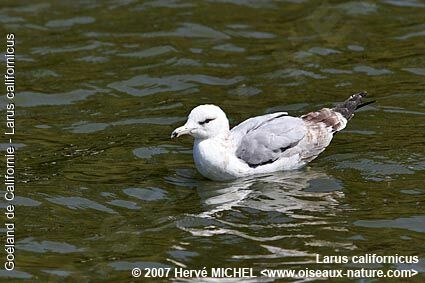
[183, 130]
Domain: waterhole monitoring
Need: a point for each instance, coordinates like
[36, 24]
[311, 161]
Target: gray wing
[262, 140]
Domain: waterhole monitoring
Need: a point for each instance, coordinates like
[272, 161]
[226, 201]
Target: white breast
[216, 161]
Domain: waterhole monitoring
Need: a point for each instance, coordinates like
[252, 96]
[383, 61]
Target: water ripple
[80, 203]
[229, 48]
[126, 265]
[151, 52]
[405, 3]
[31, 99]
[15, 274]
[162, 4]
[146, 194]
[70, 48]
[371, 71]
[70, 22]
[414, 223]
[31, 245]
[290, 73]
[153, 85]
[190, 30]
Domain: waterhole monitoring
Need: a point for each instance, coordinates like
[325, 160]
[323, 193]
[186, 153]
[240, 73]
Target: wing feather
[262, 140]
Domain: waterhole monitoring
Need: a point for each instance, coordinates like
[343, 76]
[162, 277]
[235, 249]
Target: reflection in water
[269, 214]
[282, 201]
[284, 192]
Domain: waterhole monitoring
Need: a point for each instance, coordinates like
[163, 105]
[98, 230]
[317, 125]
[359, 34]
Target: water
[101, 85]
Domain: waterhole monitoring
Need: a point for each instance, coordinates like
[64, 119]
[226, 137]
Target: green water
[102, 189]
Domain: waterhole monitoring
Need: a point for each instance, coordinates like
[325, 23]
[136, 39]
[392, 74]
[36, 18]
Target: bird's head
[204, 122]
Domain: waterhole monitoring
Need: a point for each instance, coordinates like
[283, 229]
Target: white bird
[262, 144]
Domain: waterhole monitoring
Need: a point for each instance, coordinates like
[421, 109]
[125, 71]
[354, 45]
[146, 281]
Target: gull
[262, 144]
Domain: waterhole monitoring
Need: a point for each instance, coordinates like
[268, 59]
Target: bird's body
[262, 144]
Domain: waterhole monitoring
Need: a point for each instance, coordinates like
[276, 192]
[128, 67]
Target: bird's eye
[206, 121]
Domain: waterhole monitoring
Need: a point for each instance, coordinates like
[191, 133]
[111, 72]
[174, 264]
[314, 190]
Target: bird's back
[266, 139]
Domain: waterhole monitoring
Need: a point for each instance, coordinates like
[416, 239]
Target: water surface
[102, 188]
